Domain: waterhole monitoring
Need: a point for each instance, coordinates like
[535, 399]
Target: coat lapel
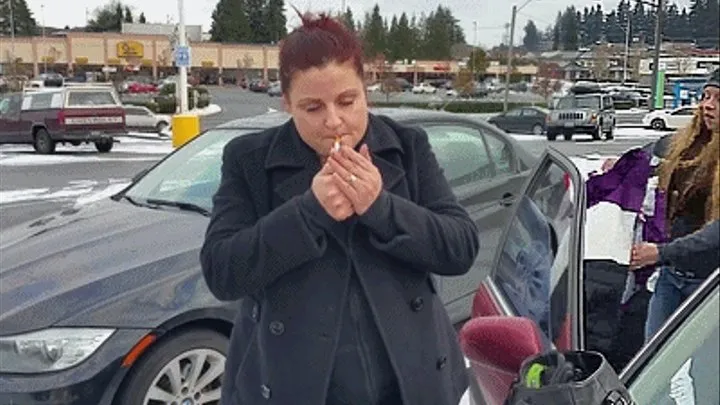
[291, 163]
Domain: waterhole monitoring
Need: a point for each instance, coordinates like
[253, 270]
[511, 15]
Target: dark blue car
[106, 303]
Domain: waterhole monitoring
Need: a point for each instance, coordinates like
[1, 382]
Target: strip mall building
[151, 55]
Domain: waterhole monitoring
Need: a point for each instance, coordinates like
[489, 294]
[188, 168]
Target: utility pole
[12, 38]
[183, 77]
[42, 11]
[627, 50]
[660, 17]
[473, 54]
[509, 58]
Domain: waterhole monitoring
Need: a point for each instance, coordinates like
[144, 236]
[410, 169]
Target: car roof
[398, 114]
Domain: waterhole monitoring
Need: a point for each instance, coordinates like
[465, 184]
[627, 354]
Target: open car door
[533, 300]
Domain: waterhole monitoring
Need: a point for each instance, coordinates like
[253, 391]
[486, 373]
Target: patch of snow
[107, 192]
[11, 196]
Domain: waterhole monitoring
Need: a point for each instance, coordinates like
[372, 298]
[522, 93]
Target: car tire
[104, 146]
[551, 136]
[537, 129]
[161, 126]
[610, 135]
[182, 348]
[568, 136]
[658, 124]
[43, 143]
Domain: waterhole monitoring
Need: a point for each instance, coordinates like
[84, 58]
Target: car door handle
[507, 200]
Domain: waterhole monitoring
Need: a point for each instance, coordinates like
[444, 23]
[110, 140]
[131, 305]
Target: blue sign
[182, 56]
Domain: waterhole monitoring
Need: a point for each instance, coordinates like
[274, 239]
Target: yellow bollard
[185, 127]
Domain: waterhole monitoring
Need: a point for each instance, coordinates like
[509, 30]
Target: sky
[490, 16]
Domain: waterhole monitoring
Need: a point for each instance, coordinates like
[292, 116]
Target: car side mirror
[501, 342]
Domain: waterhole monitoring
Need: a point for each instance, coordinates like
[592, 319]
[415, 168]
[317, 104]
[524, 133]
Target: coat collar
[288, 151]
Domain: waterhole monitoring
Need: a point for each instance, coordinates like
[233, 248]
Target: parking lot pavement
[32, 185]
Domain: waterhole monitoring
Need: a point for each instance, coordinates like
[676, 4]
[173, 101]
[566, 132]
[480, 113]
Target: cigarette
[336, 145]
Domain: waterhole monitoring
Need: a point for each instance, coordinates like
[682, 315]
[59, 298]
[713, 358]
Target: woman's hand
[608, 164]
[644, 254]
[331, 198]
[356, 176]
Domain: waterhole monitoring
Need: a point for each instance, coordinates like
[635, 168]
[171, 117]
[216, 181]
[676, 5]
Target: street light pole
[627, 50]
[183, 76]
[509, 58]
[12, 37]
[660, 16]
[42, 12]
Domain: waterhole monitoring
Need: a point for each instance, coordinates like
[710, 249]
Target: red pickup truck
[66, 115]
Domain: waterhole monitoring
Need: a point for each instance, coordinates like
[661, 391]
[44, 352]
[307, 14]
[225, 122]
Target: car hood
[66, 263]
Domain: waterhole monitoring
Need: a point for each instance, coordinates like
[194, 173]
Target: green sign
[660, 90]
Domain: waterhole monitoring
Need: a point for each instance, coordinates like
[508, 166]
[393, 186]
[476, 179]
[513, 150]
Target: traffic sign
[182, 56]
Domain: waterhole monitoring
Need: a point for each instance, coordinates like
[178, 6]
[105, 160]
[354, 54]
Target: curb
[148, 137]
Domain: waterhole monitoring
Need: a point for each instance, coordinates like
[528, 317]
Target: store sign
[81, 60]
[130, 49]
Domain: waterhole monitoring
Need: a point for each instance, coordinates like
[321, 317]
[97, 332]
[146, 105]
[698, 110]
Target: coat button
[277, 328]
[417, 304]
[442, 361]
[265, 391]
[255, 312]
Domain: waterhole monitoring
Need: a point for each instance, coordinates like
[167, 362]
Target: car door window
[687, 365]
[529, 112]
[533, 265]
[501, 155]
[513, 113]
[461, 152]
[684, 112]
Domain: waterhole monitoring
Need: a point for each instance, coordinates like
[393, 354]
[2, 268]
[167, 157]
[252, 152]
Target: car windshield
[189, 176]
[687, 365]
[566, 103]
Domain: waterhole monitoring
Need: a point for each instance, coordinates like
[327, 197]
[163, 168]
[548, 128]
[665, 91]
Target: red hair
[319, 40]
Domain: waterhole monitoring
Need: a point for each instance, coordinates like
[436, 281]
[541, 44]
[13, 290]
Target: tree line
[574, 29]
[432, 36]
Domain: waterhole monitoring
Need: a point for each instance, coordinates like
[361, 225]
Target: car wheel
[597, 133]
[186, 368]
[657, 124]
[537, 129]
[568, 136]
[551, 136]
[104, 146]
[610, 135]
[43, 143]
[161, 126]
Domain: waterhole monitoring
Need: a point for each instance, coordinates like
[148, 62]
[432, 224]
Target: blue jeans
[670, 292]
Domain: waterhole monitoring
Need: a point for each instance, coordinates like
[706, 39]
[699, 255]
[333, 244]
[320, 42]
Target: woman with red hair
[329, 228]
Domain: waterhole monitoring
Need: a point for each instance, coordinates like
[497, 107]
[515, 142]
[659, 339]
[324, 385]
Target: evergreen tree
[128, 18]
[256, 18]
[348, 19]
[531, 40]
[230, 22]
[142, 19]
[275, 20]
[24, 23]
[374, 34]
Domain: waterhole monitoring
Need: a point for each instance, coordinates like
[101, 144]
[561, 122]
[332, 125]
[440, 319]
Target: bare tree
[547, 81]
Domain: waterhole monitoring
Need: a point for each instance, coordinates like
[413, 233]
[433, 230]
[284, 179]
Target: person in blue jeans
[690, 178]
[699, 250]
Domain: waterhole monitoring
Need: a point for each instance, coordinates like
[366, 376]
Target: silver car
[592, 114]
[142, 119]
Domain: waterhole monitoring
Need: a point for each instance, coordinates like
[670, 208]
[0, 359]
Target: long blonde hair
[705, 165]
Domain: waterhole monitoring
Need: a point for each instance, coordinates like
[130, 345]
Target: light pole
[182, 42]
[627, 50]
[42, 15]
[12, 37]
[473, 54]
[515, 10]
[660, 17]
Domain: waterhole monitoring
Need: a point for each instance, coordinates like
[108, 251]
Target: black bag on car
[570, 378]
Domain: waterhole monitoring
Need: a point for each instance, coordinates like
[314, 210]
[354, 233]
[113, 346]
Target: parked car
[274, 90]
[424, 88]
[681, 362]
[66, 115]
[142, 119]
[536, 299]
[108, 302]
[669, 119]
[582, 113]
[522, 120]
